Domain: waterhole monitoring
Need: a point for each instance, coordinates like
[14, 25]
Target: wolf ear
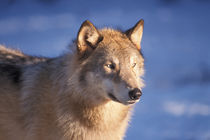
[88, 37]
[135, 33]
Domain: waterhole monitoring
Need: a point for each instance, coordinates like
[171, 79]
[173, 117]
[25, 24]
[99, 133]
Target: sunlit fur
[66, 98]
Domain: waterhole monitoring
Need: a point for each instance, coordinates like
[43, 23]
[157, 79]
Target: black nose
[135, 94]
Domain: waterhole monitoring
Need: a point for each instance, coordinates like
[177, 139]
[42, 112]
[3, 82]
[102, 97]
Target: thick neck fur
[73, 103]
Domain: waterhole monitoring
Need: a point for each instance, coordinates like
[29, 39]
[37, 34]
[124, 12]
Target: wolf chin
[86, 94]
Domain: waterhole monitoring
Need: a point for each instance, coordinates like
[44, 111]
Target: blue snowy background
[176, 46]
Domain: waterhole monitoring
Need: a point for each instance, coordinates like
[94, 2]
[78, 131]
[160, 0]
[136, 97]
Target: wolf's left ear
[87, 38]
[135, 33]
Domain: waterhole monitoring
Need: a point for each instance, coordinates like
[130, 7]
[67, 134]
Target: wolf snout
[135, 94]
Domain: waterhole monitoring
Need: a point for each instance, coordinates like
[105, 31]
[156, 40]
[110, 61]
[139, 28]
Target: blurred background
[176, 44]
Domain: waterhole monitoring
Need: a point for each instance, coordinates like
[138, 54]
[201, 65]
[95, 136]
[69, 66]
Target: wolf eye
[111, 66]
[133, 65]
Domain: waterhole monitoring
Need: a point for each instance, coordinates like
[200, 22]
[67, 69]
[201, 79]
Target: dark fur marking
[82, 78]
[12, 71]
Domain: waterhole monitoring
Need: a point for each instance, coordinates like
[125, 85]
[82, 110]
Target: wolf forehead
[109, 33]
[116, 46]
[115, 39]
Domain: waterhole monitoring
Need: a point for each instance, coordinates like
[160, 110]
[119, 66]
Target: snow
[176, 100]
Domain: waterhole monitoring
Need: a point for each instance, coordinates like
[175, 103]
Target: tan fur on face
[65, 98]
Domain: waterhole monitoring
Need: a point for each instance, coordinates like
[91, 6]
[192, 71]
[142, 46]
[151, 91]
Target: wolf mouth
[131, 102]
[113, 97]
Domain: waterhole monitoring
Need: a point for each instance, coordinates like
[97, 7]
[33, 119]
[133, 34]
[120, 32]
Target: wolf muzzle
[135, 94]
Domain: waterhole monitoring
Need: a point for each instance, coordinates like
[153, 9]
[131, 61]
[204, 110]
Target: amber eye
[111, 66]
[133, 65]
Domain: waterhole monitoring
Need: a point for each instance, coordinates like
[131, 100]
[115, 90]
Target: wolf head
[111, 63]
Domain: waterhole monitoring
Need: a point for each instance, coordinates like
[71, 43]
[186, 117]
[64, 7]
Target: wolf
[84, 94]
